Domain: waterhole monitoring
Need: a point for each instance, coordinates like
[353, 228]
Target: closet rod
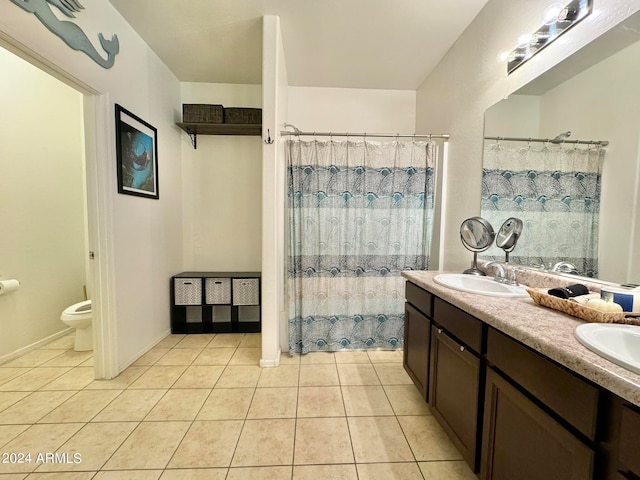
[602, 143]
[347, 134]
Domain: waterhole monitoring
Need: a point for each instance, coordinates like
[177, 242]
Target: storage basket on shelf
[246, 291]
[217, 291]
[187, 291]
[243, 115]
[202, 113]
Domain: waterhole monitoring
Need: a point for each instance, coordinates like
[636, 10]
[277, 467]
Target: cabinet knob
[439, 330]
[461, 348]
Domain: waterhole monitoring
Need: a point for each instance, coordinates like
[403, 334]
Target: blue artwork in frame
[137, 155]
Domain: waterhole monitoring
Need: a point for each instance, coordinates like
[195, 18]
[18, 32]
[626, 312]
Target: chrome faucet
[564, 267]
[506, 273]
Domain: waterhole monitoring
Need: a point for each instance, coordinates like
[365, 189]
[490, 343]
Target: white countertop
[545, 330]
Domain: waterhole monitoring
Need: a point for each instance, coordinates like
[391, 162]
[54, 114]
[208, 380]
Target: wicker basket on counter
[541, 297]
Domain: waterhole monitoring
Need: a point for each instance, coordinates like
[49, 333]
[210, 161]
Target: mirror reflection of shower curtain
[359, 214]
[555, 191]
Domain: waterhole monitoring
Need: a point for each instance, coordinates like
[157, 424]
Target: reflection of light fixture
[557, 19]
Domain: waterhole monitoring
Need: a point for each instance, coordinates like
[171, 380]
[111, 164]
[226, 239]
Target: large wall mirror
[577, 194]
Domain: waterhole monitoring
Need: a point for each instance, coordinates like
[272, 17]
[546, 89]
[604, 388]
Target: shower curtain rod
[347, 134]
[602, 143]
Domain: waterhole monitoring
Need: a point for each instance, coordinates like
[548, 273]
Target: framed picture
[137, 155]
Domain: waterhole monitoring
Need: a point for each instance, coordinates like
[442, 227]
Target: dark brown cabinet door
[522, 442]
[416, 347]
[453, 392]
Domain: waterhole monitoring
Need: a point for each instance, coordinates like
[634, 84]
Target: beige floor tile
[129, 475]
[150, 446]
[130, 406]
[34, 358]
[239, 376]
[215, 356]
[15, 476]
[313, 375]
[159, 376]
[265, 442]
[178, 404]
[427, 439]
[75, 379]
[325, 472]
[69, 358]
[392, 374]
[320, 402]
[226, 340]
[61, 476]
[282, 376]
[63, 343]
[317, 358]
[195, 474]
[260, 473]
[457, 470]
[406, 400]
[199, 376]
[87, 363]
[32, 408]
[286, 359]
[82, 407]
[246, 356]
[169, 341]
[9, 398]
[93, 444]
[34, 379]
[378, 439]
[251, 340]
[390, 471]
[357, 374]
[195, 341]
[38, 439]
[207, 444]
[322, 441]
[9, 432]
[274, 403]
[179, 356]
[385, 356]
[151, 357]
[124, 380]
[365, 401]
[9, 373]
[352, 356]
[227, 404]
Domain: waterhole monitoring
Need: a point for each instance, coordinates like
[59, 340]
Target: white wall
[146, 247]
[41, 202]
[222, 188]
[469, 79]
[352, 110]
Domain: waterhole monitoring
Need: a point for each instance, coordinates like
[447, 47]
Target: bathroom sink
[481, 285]
[617, 343]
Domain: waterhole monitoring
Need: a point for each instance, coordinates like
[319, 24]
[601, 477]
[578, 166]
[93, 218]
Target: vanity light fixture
[557, 19]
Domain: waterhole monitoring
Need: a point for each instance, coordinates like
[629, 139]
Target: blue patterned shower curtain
[359, 214]
[555, 191]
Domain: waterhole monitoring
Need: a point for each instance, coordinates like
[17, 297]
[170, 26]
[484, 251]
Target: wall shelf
[195, 129]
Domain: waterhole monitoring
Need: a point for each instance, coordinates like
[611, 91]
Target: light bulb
[502, 56]
[551, 13]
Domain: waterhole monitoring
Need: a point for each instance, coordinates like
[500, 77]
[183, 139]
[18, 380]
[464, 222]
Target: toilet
[79, 316]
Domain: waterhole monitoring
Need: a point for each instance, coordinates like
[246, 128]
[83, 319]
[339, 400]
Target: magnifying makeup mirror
[508, 235]
[477, 235]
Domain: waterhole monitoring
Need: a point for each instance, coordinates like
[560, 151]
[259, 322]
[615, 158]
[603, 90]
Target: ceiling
[378, 44]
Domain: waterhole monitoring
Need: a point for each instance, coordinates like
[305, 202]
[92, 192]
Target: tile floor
[199, 407]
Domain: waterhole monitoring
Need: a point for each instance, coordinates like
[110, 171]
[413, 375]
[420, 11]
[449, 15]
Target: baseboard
[126, 365]
[34, 346]
[271, 363]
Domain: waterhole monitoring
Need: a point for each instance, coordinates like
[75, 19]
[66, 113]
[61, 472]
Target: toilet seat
[77, 311]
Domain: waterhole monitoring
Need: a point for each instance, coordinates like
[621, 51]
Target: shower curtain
[359, 213]
[555, 191]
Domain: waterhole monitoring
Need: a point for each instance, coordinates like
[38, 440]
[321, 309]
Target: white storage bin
[187, 291]
[217, 291]
[246, 291]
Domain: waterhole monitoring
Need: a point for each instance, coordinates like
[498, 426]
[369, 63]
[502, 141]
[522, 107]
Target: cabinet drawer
[460, 324]
[570, 397]
[417, 331]
[419, 298]
[629, 449]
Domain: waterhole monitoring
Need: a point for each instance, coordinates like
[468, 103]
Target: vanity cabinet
[417, 335]
[628, 458]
